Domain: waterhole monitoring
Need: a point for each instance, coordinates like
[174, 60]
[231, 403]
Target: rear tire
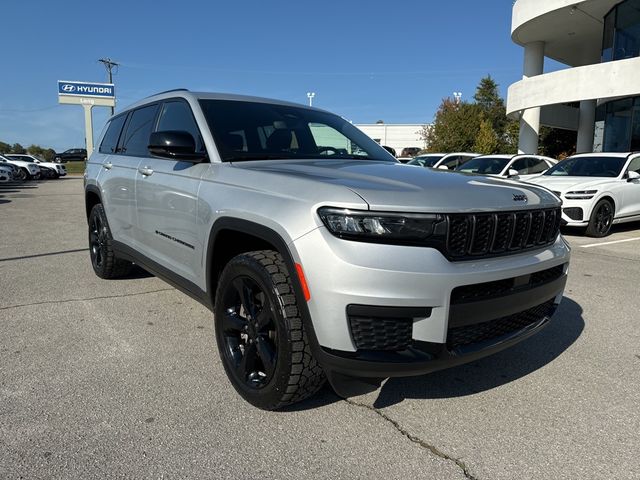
[103, 259]
[260, 333]
[601, 219]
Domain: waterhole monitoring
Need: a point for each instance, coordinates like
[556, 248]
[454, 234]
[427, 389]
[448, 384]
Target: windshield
[588, 167]
[425, 160]
[484, 165]
[263, 131]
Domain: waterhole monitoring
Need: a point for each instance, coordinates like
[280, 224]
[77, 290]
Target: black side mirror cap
[175, 145]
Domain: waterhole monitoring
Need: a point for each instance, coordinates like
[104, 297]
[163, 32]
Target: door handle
[107, 165]
[146, 171]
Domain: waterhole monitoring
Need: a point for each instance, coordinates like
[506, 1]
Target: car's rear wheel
[260, 334]
[601, 219]
[103, 259]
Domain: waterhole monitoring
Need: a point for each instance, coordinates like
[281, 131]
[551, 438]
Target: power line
[109, 64]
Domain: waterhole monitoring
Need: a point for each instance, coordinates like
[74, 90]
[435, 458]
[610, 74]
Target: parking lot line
[609, 243]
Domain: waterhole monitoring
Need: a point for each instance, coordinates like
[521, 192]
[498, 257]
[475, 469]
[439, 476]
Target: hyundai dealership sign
[86, 89]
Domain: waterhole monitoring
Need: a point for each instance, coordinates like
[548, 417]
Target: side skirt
[185, 286]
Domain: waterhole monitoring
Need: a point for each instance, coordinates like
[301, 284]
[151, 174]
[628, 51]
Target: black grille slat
[480, 332]
[477, 235]
[390, 334]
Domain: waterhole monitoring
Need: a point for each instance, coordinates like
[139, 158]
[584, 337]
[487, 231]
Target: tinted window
[588, 167]
[521, 165]
[537, 166]
[136, 136]
[634, 166]
[176, 115]
[260, 131]
[110, 140]
[484, 165]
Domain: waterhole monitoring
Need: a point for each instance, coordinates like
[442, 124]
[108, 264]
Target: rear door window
[135, 140]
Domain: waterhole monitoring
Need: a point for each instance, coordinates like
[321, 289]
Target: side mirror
[631, 176]
[512, 173]
[175, 145]
[443, 167]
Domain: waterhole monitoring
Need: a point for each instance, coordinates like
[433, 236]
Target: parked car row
[598, 190]
[21, 167]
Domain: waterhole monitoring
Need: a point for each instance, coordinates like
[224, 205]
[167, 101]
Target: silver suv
[320, 255]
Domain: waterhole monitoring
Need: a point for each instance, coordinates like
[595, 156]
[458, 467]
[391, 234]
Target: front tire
[260, 334]
[23, 174]
[601, 219]
[103, 259]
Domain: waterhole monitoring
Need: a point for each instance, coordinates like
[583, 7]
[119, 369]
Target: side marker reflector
[303, 282]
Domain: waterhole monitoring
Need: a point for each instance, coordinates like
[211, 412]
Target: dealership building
[598, 95]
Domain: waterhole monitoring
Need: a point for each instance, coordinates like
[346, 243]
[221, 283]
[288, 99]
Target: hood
[391, 186]
[564, 184]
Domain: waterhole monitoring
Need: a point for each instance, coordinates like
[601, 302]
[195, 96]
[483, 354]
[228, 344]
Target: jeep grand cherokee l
[319, 254]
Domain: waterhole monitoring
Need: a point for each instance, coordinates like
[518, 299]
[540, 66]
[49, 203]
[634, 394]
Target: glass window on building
[621, 35]
[617, 126]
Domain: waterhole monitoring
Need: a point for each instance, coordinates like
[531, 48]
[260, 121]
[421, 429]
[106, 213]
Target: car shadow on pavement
[504, 367]
[135, 273]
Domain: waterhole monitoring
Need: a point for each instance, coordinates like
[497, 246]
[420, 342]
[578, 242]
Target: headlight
[383, 227]
[580, 195]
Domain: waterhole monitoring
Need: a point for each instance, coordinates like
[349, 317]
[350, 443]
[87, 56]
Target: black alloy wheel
[103, 259]
[260, 334]
[601, 219]
[22, 175]
[249, 332]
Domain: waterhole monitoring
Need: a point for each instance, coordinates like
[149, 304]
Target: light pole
[310, 96]
[457, 96]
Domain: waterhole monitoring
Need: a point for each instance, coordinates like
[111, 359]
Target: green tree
[556, 142]
[486, 140]
[17, 148]
[5, 148]
[455, 127]
[49, 154]
[35, 150]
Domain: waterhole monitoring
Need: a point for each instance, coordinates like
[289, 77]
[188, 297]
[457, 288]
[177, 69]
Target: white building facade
[396, 136]
[598, 95]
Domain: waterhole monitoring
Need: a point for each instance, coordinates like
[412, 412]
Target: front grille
[493, 329]
[497, 288]
[574, 213]
[381, 333]
[478, 235]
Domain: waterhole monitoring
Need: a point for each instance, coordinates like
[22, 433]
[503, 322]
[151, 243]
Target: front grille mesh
[486, 234]
[493, 329]
[381, 333]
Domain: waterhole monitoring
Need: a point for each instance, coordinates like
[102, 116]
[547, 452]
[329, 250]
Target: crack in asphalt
[69, 300]
[434, 450]
[36, 255]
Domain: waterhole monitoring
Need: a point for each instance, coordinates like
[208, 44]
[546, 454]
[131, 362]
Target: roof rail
[172, 90]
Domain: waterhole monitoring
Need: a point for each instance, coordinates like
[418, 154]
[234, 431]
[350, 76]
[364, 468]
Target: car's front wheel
[103, 259]
[260, 333]
[601, 219]
[22, 175]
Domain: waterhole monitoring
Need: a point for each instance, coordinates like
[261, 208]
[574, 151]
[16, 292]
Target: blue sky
[366, 60]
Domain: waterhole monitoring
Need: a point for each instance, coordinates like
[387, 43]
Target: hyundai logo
[520, 197]
[68, 87]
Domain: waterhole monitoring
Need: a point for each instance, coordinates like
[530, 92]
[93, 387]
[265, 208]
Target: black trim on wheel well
[91, 198]
[231, 236]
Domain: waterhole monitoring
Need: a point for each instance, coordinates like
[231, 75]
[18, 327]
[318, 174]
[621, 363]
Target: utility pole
[109, 64]
[310, 96]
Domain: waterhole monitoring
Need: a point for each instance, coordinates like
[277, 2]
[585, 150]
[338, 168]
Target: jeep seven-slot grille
[488, 234]
[493, 329]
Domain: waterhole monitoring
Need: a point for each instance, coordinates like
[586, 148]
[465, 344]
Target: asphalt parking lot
[121, 379]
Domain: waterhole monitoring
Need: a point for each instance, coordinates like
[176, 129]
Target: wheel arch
[231, 236]
[91, 198]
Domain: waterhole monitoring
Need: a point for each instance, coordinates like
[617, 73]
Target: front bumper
[343, 273]
[576, 213]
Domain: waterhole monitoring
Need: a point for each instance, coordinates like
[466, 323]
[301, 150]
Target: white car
[59, 169]
[27, 169]
[444, 161]
[597, 189]
[518, 167]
